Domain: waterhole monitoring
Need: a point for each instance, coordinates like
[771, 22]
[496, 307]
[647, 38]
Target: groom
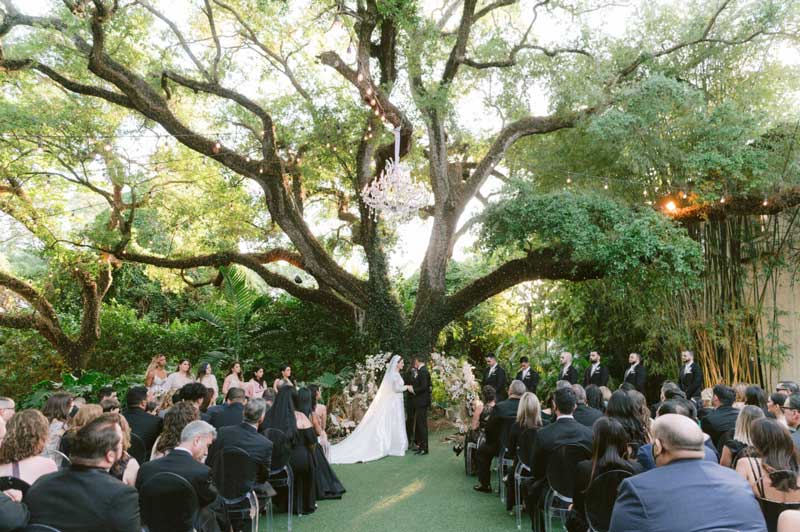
[421, 402]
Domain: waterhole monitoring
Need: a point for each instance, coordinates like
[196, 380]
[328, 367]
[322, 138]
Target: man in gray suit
[656, 500]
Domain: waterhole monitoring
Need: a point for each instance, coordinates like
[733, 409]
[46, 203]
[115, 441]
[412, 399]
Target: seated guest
[57, 410]
[521, 438]
[245, 436]
[175, 421]
[126, 467]
[231, 414]
[643, 412]
[741, 443]
[622, 408]
[594, 398]
[13, 514]
[681, 407]
[791, 411]
[187, 460]
[142, 424]
[84, 497]
[775, 403]
[109, 405]
[481, 410]
[787, 387]
[723, 418]
[26, 436]
[301, 437]
[606, 391]
[269, 399]
[773, 473]
[193, 393]
[84, 416]
[667, 387]
[106, 392]
[585, 415]
[609, 452]
[503, 415]
[206, 404]
[657, 500]
[326, 483]
[739, 389]
[705, 406]
[167, 402]
[756, 396]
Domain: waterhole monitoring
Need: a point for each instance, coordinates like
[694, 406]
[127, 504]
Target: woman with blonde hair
[155, 378]
[26, 436]
[85, 414]
[741, 443]
[520, 439]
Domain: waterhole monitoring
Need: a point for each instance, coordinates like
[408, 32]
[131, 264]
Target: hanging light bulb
[107, 147]
[360, 77]
[569, 180]
[670, 206]
[605, 185]
[369, 91]
[765, 202]
[722, 199]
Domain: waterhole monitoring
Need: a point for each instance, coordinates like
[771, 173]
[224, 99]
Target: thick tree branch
[736, 206]
[462, 38]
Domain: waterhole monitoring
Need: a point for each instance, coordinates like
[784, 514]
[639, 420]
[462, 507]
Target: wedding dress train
[382, 431]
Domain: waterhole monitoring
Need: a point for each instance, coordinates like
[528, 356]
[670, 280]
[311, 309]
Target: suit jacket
[144, 425]
[718, 422]
[13, 515]
[503, 414]
[563, 431]
[422, 388]
[586, 415]
[181, 463]
[571, 374]
[531, 380]
[498, 381]
[83, 499]
[247, 438]
[692, 382]
[657, 500]
[600, 377]
[637, 377]
[229, 415]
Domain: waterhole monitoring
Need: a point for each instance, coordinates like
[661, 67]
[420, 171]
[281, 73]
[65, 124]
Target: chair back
[234, 473]
[562, 465]
[168, 503]
[505, 431]
[40, 528]
[138, 449]
[14, 483]
[61, 459]
[600, 497]
[281, 449]
[773, 509]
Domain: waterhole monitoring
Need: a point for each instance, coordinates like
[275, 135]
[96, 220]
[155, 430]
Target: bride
[382, 431]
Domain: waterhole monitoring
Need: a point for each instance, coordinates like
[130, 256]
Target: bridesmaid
[155, 378]
[255, 386]
[285, 378]
[207, 378]
[233, 379]
[180, 378]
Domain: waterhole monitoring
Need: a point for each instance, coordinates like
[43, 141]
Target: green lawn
[409, 494]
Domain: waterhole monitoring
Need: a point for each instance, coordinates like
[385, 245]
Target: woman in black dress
[302, 439]
[326, 482]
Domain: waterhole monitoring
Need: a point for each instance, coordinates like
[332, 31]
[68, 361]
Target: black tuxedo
[586, 415]
[531, 380]
[497, 380]
[83, 499]
[637, 377]
[421, 402]
[561, 432]
[144, 425]
[600, 377]
[571, 374]
[181, 463]
[691, 382]
[228, 416]
[718, 422]
[248, 439]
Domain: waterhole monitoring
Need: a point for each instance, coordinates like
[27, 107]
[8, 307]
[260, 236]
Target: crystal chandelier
[394, 193]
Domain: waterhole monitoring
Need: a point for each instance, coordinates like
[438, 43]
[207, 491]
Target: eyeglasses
[785, 408]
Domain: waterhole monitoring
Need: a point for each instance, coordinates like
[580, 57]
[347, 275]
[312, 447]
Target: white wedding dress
[382, 432]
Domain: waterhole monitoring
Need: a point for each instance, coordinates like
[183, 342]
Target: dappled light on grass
[386, 503]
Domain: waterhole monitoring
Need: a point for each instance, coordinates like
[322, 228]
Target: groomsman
[636, 373]
[568, 372]
[527, 375]
[595, 374]
[691, 376]
[495, 376]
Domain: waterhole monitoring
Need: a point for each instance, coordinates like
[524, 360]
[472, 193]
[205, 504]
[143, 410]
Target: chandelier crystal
[394, 192]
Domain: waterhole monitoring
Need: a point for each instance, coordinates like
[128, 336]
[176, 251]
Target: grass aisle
[407, 494]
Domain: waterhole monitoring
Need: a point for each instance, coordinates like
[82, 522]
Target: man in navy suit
[232, 413]
[656, 500]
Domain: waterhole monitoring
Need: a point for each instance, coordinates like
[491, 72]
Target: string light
[670, 206]
[569, 180]
[765, 202]
[360, 77]
[722, 199]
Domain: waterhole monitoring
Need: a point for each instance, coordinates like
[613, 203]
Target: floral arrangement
[454, 391]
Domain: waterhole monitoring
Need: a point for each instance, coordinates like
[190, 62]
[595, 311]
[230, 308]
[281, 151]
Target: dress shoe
[482, 489]
[423, 451]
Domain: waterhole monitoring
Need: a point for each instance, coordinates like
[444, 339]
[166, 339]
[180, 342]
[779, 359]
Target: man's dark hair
[669, 385]
[109, 403]
[678, 405]
[725, 394]
[135, 396]
[523, 359]
[193, 391]
[488, 393]
[269, 396]
[492, 356]
[626, 387]
[105, 391]
[794, 401]
[672, 394]
[565, 401]
[420, 358]
[594, 397]
[235, 395]
[790, 386]
[95, 439]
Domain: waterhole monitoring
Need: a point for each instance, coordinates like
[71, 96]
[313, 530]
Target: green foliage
[87, 385]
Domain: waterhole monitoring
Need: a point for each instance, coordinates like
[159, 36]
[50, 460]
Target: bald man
[656, 500]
